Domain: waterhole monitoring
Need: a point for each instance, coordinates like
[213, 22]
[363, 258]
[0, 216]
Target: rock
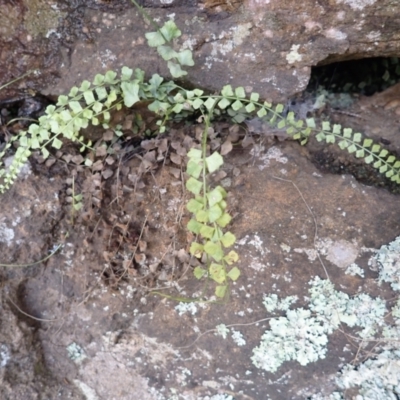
[264, 45]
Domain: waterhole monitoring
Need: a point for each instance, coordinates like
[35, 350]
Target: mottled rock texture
[265, 45]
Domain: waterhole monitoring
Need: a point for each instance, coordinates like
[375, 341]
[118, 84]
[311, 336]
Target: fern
[91, 103]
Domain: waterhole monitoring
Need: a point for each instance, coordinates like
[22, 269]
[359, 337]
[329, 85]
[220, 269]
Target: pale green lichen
[303, 336]
[298, 336]
[376, 379]
[387, 260]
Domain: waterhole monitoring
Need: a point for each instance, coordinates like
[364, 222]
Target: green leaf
[98, 79]
[158, 107]
[88, 114]
[223, 103]
[62, 101]
[166, 52]
[214, 250]
[214, 213]
[377, 164]
[185, 58]
[110, 76]
[250, 107]
[23, 141]
[45, 153]
[130, 92]
[198, 92]
[214, 197]
[347, 133]
[126, 73]
[199, 272]
[240, 93]
[383, 153]
[343, 144]
[34, 143]
[209, 103]
[234, 273]
[227, 91]
[231, 257]
[367, 143]
[383, 168]
[101, 93]
[175, 69]
[326, 126]
[207, 231]
[320, 136]
[213, 162]
[194, 168]
[391, 159]
[217, 273]
[352, 148]
[369, 159]
[222, 191]
[154, 39]
[224, 220]
[261, 112]
[376, 148]
[360, 153]
[88, 96]
[56, 143]
[170, 30]
[193, 206]
[279, 108]
[220, 290]
[196, 249]
[254, 97]
[202, 216]
[194, 226]
[85, 85]
[281, 124]
[311, 123]
[330, 138]
[193, 185]
[337, 129]
[237, 105]
[75, 106]
[155, 82]
[195, 154]
[73, 92]
[357, 137]
[228, 239]
[196, 104]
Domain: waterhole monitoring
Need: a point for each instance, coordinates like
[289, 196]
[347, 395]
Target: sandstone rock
[265, 45]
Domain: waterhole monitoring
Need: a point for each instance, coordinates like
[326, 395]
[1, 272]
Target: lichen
[387, 260]
[42, 17]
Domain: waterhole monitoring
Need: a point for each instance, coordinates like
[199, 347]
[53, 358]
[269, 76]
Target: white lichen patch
[183, 308]
[76, 353]
[374, 35]
[273, 153]
[294, 56]
[227, 41]
[5, 355]
[333, 33]
[353, 269]
[357, 4]
[342, 253]
[387, 260]
[6, 234]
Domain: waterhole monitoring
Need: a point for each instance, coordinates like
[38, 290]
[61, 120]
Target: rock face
[265, 45]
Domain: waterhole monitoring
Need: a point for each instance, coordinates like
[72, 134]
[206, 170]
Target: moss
[41, 17]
